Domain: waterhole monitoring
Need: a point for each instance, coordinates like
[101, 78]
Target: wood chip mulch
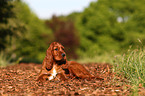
[20, 80]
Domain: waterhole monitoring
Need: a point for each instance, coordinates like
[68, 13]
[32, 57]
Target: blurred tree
[65, 33]
[9, 24]
[108, 25]
[36, 38]
[22, 33]
[104, 26]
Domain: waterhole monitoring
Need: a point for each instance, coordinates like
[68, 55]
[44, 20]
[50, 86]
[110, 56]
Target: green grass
[104, 58]
[4, 60]
[132, 66]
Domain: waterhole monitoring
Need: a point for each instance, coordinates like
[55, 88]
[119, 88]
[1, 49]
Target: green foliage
[37, 37]
[104, 27]
[23, 33]
[132, 66]
[110, 25]
[10, 26]
[104, 58]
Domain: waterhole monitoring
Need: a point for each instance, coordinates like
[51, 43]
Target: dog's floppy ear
[48, 60]
[49, 56]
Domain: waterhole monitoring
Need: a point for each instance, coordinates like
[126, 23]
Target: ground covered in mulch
[20, 80]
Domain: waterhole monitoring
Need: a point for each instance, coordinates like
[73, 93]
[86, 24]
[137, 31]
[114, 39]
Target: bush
[132, 66]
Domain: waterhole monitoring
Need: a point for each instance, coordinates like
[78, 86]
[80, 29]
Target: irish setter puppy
[55, 63]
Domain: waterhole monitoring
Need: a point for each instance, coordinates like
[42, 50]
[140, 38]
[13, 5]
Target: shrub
[132, 66]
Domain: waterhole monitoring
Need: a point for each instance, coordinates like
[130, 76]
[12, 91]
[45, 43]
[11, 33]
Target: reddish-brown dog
[55, 63]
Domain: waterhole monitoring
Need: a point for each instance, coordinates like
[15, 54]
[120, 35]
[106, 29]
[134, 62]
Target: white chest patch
[54, 73]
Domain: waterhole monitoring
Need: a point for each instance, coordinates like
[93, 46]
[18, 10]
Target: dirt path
[20, 80]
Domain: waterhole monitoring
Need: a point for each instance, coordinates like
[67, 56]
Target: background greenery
[104, 29]
[111, 25]
[24, 34]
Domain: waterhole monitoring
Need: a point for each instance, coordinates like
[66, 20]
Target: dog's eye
[56, 49]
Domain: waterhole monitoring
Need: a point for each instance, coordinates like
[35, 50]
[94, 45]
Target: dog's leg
[44, 74]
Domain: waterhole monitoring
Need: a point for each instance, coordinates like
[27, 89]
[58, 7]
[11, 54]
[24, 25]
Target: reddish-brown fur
[78, 70]
[55, 56]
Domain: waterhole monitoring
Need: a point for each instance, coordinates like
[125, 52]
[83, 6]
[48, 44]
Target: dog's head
[56, 52]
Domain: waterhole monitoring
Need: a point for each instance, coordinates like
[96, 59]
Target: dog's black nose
[63, 54]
